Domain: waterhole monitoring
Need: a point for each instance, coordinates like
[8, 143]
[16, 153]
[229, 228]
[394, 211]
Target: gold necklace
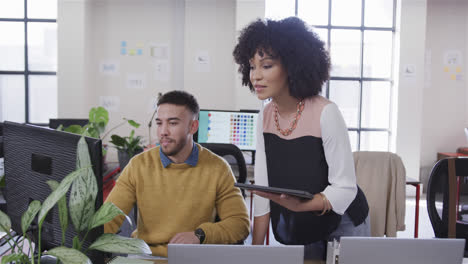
[288, 131]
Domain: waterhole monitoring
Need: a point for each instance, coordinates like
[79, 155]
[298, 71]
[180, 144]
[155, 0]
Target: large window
[359, 35]
[28, 60]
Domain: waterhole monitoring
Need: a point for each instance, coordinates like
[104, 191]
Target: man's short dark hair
[178, 97]
[298, 48]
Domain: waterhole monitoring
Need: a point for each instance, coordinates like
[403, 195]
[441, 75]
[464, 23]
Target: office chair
[225, 150]
[447, 199]
[382, 178]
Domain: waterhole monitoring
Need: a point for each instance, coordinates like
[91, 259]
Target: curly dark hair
[178, 97]
[298, 48]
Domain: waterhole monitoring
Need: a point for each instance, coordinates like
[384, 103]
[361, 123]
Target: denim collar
[192, 160]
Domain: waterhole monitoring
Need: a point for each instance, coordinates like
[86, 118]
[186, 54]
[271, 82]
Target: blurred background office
[398, 73]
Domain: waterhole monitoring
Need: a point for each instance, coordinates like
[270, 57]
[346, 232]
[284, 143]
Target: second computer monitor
[231, 127]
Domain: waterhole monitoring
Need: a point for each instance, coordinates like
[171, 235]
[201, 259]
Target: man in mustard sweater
[180, 186]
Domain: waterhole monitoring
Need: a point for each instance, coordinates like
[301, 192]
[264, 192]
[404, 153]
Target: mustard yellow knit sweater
[180, 198]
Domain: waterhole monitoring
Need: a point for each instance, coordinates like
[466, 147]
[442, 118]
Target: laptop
[384, 250]
[234, 254]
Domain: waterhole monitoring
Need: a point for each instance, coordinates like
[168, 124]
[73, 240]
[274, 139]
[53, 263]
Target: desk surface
[465, 261]
[164, 261]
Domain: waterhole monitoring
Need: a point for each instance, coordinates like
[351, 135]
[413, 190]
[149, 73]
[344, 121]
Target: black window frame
[27, 73]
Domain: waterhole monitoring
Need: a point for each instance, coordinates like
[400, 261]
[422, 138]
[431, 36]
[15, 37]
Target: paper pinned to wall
[161, 70]
[109, 67]
[160, 53]
[136, 81]
[111, 103]
[202, 61]
[453, 58]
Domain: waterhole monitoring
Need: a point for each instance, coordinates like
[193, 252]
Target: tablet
[298, 193]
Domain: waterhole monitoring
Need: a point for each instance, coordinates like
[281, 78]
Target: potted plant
[80, 210]
[127, 147]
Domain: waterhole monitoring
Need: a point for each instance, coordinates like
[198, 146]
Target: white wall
[411, 31]
[444, 100]
[210, 30]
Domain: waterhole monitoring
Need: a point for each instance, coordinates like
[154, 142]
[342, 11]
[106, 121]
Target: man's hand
[185, 238]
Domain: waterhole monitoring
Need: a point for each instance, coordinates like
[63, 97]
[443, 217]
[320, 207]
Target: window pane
[346, 95]
[323, 35]
[42, 46]
[378, 13]
[42, 9]
[11, 46]
[278, 9]
[374, 141]
[375, 105]
[42, 98]
[345, 52]
[313, 12]
[324, 89]
[11, 9]
[346, 12]
[353, 140]
[377, 54]
[12, 98]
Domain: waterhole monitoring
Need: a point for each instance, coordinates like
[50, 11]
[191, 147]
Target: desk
[443, 155]
[165, 261]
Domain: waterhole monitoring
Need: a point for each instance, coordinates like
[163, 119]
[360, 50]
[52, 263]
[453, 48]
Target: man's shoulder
[147, 157]
[207, 158]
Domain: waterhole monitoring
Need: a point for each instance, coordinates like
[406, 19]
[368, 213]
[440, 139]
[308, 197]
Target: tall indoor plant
[81, 211]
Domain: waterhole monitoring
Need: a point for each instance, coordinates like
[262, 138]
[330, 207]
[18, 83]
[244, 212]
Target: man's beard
[177, 148]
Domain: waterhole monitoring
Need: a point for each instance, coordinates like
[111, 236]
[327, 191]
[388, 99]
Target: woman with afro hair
[302, 139]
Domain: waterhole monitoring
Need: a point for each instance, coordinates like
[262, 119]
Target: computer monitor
[34, 155]
[65, 122]
[234, 127]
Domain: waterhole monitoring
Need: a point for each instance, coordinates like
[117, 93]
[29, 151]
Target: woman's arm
[260, 229]
[341, 176]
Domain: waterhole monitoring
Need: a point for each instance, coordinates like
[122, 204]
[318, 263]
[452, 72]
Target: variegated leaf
[106, 213]
[14, 258]
[69, 255]
[118, 244]
[29, 215]
[84, 190]
[56, 195]
[5, 223]
[62, 205]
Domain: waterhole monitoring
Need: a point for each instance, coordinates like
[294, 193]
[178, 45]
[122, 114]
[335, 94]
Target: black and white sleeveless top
[315, 157]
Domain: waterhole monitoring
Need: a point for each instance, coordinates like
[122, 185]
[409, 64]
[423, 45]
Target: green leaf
[134, 124]
[76, 242]
[75, 129]
[14, 258]
[62, 205]
[69, 255]
[117, 140]
[5, 223]
[118, 244]
[56, 195]
[100, 117]
[83, 191]
[106, 213]
[29, 215]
